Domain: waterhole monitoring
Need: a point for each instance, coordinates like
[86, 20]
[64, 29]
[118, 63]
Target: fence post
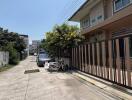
[74, 58]
[103, 59]
[110, 58]
[86, 58]
[98, 60]
[82, 58]
[93, 54]
[127, 61]
[79, 57]
[118, 61]
[89, 68]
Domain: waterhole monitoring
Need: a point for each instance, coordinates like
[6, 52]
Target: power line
[72, 11]
[71, 6]
[69, 10]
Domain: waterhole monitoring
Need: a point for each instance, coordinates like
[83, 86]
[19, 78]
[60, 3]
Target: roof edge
[78, 10]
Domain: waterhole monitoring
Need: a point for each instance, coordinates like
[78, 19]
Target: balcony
[122, 18]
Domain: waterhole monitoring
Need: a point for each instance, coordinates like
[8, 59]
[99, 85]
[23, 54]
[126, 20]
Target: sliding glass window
[119, 4]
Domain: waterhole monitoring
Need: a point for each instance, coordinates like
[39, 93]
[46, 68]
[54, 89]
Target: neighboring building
[35, 45]
[31, 50]
[26, 40]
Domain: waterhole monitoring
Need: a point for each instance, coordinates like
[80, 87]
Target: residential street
[43, 85]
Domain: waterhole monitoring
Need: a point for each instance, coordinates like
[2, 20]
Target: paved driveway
[15, 85]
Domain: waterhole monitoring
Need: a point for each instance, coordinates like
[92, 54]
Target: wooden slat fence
[109, 60]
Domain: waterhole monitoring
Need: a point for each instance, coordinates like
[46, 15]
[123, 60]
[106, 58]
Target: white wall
[4, 58]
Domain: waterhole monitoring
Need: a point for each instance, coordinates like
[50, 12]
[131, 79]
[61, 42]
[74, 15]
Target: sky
[35, 17]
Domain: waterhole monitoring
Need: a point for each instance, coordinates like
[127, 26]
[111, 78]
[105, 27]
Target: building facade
[26, 41]
[35, 45]
[107, 27]
[104, 19]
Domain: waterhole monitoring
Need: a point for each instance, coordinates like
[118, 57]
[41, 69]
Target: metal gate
[109, 60]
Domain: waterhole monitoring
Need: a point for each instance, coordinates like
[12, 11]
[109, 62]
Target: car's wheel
[40, 65]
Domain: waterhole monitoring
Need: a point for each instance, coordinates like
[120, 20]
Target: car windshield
[43, 56]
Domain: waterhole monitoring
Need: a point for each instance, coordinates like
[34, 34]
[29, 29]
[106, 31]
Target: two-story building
[104, 19]
[109, 20]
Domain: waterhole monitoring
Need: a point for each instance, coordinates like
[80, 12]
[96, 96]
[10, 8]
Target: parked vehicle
[57, 66]
[35, 54]
[42, 58]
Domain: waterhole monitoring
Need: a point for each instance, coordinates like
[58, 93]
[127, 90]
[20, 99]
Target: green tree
[13, 55]
[13, 43]
[61, 39]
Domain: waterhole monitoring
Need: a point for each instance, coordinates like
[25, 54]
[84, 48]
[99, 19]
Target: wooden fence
[109, 60]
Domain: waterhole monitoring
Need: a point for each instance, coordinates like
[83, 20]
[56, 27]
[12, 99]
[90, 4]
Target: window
[119, 4]
[125, 2]
[99, 17]
[85, 23]
[93, 20]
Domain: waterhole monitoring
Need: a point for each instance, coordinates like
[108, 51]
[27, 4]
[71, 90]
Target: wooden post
[86, 58]
[118, 61]
[98, 59]
[103, 59]
[79, 58]
[82, 59]
[89, 68]
[110, 58]
[73, 57]
[127, 61]
[76, 58]
[93, 54]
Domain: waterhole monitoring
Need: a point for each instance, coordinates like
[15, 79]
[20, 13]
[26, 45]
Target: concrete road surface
[43, 85]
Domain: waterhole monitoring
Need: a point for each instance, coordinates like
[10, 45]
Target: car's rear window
[43, 56]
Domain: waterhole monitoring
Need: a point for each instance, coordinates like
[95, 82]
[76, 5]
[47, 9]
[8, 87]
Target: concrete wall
[4, 58]
[108, 8]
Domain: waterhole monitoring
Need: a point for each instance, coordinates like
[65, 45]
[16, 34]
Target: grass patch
[5, 68]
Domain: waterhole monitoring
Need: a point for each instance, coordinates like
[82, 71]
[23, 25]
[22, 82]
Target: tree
[62, 38]
[12, 40]
[13, 55]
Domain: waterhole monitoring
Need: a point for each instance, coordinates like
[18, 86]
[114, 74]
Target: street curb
[125, 94]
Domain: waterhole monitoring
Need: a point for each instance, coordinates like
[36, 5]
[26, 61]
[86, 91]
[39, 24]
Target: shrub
[13, 55]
